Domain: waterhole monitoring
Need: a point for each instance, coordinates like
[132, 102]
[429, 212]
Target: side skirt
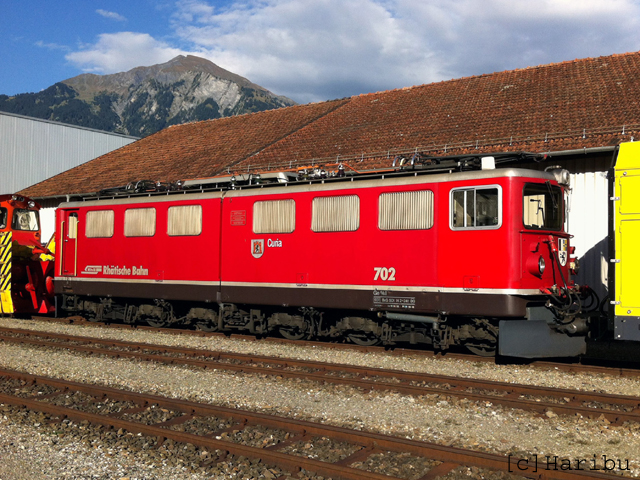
[535, 339]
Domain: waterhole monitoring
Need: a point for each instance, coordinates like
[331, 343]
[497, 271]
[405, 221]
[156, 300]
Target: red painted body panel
[163, 257]
[327, 258]
[436, 261]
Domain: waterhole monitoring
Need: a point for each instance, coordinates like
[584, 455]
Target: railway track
[595, 364]
[548, 401]
[211, 434]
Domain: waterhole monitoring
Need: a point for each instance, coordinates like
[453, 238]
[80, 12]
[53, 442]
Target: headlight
[541, 265]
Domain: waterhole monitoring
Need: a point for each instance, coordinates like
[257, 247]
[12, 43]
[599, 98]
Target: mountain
[145, 100]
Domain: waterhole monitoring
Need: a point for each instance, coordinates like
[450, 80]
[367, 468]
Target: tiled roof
[582, 103]
[192, 150]
[577, 104]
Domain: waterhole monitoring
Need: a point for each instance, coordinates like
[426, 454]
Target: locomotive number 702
[384, 273]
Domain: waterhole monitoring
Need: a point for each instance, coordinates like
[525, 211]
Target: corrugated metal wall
[32, 150]
[588, 222]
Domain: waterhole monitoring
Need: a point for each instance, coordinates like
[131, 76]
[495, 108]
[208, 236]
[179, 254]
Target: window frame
[328, 198]
[184, 234]
[475, 188]
[6, 217]
[15, 222]
[431, 196]
[155, 222]
[561, 209]
[279, 232]
[113, 223]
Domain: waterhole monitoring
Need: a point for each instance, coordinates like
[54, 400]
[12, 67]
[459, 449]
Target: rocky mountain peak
[144, 100]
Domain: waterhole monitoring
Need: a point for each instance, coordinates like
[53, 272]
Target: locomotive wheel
[363, 339]
[485, 339]
[91, 317]
[292, 333]
[482, 350]
[207, 326]
[156, 322]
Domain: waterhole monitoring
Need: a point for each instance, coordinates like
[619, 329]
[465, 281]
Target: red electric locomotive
[26, 267]
[432, 256]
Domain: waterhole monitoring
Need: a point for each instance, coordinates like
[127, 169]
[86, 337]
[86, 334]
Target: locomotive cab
[26, 267]
[555, 326]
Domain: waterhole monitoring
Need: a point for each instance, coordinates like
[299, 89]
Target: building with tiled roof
[580, 104]
[183, 152]
[578, 111]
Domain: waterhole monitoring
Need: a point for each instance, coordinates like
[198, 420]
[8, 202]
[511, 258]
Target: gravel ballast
[433, 418]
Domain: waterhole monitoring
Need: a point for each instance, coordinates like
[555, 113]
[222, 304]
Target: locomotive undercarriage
[295, 323]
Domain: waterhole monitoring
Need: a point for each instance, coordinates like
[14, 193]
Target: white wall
[588, 222]
[47, 223]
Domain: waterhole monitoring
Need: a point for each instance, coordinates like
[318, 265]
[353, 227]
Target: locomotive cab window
[335, 214]
[542, 206]
[405, 210]
[25, 220]
[140, 222]
[184, 220]
[476, 208]
[3, 217]
[72, 228]
[274, 216]
[99, 224]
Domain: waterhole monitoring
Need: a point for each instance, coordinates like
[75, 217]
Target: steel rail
[451, 457]
[573, 400]
[631, 370]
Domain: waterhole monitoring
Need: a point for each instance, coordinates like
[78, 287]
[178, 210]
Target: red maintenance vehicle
[444, 251]
[26, 266]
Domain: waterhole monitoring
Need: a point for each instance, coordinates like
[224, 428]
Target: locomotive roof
[581, 104]
[363, 181]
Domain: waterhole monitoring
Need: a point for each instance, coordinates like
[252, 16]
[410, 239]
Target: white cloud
[111, 15]
[118, 52]
[493, 35]
[51, 46]
[321, 49]
[310, 50]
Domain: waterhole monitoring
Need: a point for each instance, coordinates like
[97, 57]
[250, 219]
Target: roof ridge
[246, 114]
[340, 103]
[491, 74]
[576, 96]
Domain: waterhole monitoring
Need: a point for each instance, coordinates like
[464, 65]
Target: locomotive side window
[479, 207]
[99, 224]
[542, 206]
[274, 216]
[72, 229]
[335, 214]
[140, 222]
[405, 210]
[185, 220]
[25, 220]
[3, 217]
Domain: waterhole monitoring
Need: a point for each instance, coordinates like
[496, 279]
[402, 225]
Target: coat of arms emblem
[562, 251]
[257, 248]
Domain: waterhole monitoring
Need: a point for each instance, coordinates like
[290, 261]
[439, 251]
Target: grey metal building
[32, 150]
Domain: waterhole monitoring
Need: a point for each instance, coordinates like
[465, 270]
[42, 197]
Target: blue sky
[308, 50]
